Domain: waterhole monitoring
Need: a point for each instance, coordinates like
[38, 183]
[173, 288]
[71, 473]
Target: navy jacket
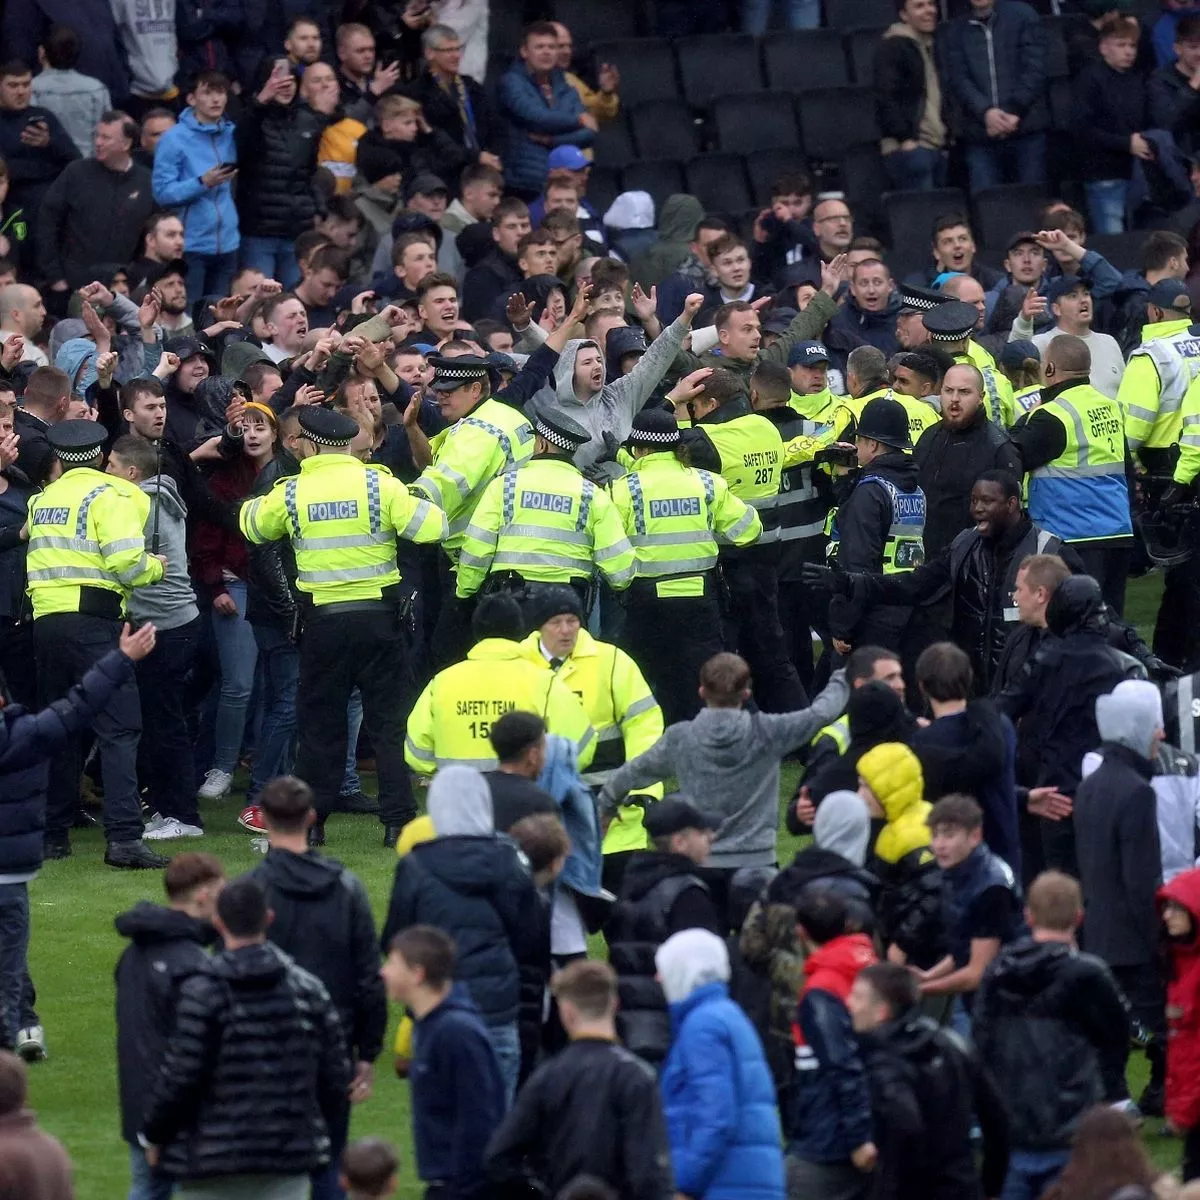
[457, 1096]
[478, 891]
[997, 63]
[526, 111]
[719, 1102]
[26, 23]
[27, 743]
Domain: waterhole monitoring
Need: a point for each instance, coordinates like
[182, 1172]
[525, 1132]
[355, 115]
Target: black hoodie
[323, 920]
[166, 946]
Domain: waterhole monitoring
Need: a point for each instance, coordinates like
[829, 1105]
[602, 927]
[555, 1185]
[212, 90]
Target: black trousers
[67, 645]
[671, 638]
[753, 583]
[452, 629]
[798, 616]
[366, 649]
[17, 661]
[1146, 992]
[1109, 567]
[1177, 628]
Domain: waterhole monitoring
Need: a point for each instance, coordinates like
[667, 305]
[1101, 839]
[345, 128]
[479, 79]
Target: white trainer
[31, 1043]
[171, 830]
[216, 784]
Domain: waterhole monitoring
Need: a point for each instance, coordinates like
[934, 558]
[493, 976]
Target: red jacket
[834, 967]
[1183, 1008]
[213, 549]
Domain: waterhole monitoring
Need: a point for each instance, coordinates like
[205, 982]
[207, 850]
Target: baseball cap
[674, 814]
[1025, 238]
[186, 347]
[1170, 293]
[426, 184]
[1064, 285]
[567, 158]
[806, 354]
[1014, 353]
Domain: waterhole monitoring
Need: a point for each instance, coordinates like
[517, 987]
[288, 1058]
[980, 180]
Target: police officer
[1073, 448]
[86, 552]
[453, 717]
[729, 437]
[950, 326]
[343, 518]
[673, 515]
[880, 526]
[486, 437]
[866, 378]
[811, 396]
[915, 302]
[614, 694]
[1157, 378]
[545, 522]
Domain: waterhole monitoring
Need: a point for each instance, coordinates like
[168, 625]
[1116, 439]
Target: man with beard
[167, 304]
[951, 326]
[953, 454]
[162, 243]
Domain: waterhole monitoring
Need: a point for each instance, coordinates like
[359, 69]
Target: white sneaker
[171, 830]
[216, 784]
[156, 821]
[31, 1043]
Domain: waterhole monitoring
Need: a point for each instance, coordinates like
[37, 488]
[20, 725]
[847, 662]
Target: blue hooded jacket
[209, 216]
[560, 777]
[73, 354]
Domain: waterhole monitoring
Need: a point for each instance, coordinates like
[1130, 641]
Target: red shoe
[252, 819]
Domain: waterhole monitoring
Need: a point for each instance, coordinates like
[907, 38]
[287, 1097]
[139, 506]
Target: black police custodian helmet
[656, 428]
[884, 420]
[326, 427]
[559, 430]
[953, 321]
[75, 442]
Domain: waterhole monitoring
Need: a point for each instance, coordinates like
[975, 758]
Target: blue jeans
[210, 274]
[14, 943]
[915, 170]
[238, 653]
[274, 257]
[354, 719]
[143, 1183]
[1020, 159]
[800, 14]
[1031, 1172]
[279, 673]
[506, 1043]
[1106, 204]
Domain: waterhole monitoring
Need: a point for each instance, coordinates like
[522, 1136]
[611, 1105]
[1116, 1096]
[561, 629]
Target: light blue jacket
[210, 221]
[560, 777]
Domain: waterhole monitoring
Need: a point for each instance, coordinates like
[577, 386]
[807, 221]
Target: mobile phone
[228, 166]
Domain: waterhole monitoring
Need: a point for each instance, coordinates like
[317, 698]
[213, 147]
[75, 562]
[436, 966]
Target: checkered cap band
[646, 437]
[78, 456]
[955, 335]
[908, 300]
[554, 437]
[466, 374]
[322, 439]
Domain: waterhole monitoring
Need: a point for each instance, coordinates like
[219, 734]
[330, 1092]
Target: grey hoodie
[612, 409]
[170, 603]
[843, 826]
[460, 803]
[727, 763]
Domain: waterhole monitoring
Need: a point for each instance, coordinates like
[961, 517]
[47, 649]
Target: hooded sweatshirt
[460, 803]
[1130, 715]
[608, 414]
[1183, 1006]
[77, 356]
[688, 960]
[727, 763]
[843, 826]
[170, 603]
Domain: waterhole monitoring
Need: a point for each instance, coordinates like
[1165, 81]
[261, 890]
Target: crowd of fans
[338, 423]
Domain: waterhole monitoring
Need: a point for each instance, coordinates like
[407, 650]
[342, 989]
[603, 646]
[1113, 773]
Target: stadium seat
[661, 177]
[589, 21]
[802, 59]
[864, 181]
[715, 64]
[1123, 250]
[719, 182]
[765, 166]
[647, 67]
[853, 14]
[860, 50]
[759, 121]
[1057, 31]
[664, 129]
[1002, 211]
[910, 217]
[613, 146]
[604, 186]
[834, 119]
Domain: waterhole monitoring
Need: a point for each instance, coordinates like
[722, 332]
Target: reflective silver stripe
[467, 559]
[621, 577]
[347, 574]
[420, 515]
[514, 558]
[422, 489]
[795, 533]
[486, 536]
[911, 532]
[1190, 439]
[610, 733]
[746, 521]
[418, 752]
[480, 764]
[43, 574]
[250, 518]
[635, 494]
[645, 704]
[131, 573]
[85, 504]
[1114, 468]
[1187, 723]
[1191, 419]
[799, 496]
[1044, 539]
[1083, 446]
[374, 505]
[343, 541]
[542, 533]
[681, 566]
[585, 505]
[766, 502]
[460, 481]
[585, 741]
[1149, 415]
[47, 541]
[613, 551]
[123, 544]
[701, 536]
[289, 500]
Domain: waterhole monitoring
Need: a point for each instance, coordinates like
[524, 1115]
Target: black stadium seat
[1057, 32]
[759, 121]
[853, 14]
[802, 59]
[719, 182]
[664, 129]
[765, 166]
[713, 64]
[860, 50]
[589, 21]
[910, 216]
[647, 67]
[604, 186]
[613, 146]
[1002, 211]
[834, 119]
[661, 177]
[1123, 250]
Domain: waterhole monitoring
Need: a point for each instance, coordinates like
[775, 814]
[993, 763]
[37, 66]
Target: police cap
[1170, 293]
[674, 814]
[456, 372]
[654, 427]
[550, 601]
[326, 427]
[559, 430]
[884, 420]
[953, 321]
[76, 441]
[919, 299]
[805, 354]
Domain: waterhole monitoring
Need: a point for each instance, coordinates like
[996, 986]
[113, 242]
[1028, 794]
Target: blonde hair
[396, 106]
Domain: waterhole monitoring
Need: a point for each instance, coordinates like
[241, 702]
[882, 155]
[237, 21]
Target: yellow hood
[893, 772]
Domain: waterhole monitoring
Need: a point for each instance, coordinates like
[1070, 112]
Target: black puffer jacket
[277, 155]
[661, 895]
[1051, 1026]
[323, 920]
[479, 891]
[255, 1069]
[165, 948]
[271, 573]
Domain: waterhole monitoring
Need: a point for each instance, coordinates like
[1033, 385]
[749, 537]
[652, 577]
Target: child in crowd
[1179, 904]
[369, 1168]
